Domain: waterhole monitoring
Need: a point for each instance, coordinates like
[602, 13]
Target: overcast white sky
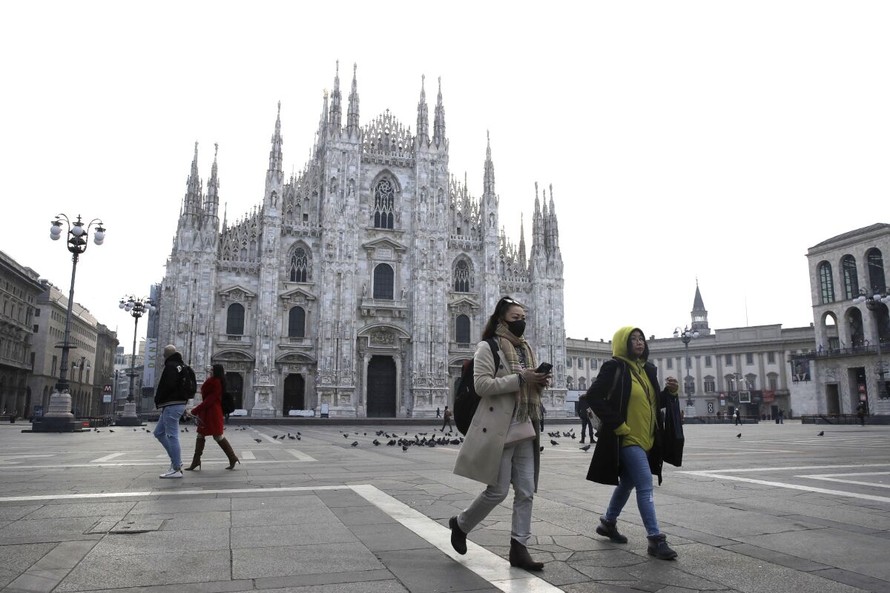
[684, 140]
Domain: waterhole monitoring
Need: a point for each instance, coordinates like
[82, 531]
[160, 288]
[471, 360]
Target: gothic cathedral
[358, 286]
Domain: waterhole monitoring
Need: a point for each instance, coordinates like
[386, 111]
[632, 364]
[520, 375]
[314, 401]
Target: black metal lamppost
[686, 336]
[875, 303]
[58, 417]
[137, 307]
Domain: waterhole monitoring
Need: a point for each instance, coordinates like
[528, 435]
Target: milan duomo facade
[358, 286]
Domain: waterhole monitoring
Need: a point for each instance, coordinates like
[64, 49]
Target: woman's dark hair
[495, 318]
[220, 373]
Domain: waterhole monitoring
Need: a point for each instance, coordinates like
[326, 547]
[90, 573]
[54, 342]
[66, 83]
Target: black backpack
[228, 403]
[188, 384]
[466, 400]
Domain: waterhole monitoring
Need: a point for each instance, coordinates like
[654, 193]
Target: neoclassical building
[19, 290]
[750, 368]
[49, 331]
[359, 285]
[852, 333]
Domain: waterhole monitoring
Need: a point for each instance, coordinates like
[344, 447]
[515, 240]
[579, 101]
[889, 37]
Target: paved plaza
[324, 509]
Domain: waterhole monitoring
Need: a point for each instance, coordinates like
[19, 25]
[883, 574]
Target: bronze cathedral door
[381, 387]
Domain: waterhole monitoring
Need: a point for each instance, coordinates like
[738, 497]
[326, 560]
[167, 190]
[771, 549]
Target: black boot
[196, 460]
[520, 558]
[458, 537]
[659, 548]
[230, 453]
[610, 530]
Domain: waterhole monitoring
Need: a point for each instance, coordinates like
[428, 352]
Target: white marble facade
[358, 286]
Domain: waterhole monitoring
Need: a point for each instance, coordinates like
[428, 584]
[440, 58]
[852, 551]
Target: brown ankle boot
[196, 460]
[520, 558]
[230, 453]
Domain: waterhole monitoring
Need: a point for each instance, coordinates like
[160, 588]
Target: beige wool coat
[480, 455]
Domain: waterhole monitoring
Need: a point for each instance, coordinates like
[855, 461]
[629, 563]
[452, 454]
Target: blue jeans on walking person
[635, 473]
[167, 432]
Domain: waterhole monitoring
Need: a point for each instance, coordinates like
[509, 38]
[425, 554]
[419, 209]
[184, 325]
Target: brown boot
[196, 460]
[520, 558]
[230, 453]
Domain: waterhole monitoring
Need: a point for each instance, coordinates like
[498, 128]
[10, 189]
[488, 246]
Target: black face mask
[517, 328]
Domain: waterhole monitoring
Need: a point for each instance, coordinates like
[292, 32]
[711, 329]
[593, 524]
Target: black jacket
[169, 391]
[604, 467]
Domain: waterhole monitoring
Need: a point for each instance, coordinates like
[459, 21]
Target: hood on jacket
[621, 344]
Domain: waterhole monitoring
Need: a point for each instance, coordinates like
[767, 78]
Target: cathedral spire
[191, 204]
[211, 201]
[423, 115]
[554, 226]
[275, 153]
[352, 124]
[522, 261]
[335, 102]
[488, 179]
[439, 123]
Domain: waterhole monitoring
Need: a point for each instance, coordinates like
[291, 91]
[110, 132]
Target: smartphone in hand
[544, 367]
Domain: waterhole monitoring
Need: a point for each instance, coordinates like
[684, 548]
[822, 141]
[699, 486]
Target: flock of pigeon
[394, 439]
[420, 439]
[569, 434]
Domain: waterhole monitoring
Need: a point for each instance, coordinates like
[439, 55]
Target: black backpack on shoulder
[466, 400]
[188, 383]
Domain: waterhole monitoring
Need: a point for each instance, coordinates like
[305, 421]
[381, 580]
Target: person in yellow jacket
[627, 399]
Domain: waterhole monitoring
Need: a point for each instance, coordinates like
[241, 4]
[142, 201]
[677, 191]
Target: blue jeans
[635, 473]
[167, 432]
[517, 467]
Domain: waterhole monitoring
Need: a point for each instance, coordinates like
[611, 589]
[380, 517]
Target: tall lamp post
[686, 335]
[58, 416]
[874, 303]
[137, 307]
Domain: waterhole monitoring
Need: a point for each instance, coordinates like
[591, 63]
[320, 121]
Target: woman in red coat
[210, 417]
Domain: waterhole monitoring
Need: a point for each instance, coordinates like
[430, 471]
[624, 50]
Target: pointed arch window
[235, 320]
[851, 281]
[299, 266]
[296, 322]
[826, 283]
[384, 204]
[462, 277]
[383, 282]
[462, 329]
[876, 277]
[582, 383]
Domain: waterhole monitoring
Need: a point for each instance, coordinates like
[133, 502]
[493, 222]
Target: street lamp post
[58, 416]
[137, 307]
[686, 335]
[874, 303]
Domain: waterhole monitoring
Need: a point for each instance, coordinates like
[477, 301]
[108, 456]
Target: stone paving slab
[372, 519]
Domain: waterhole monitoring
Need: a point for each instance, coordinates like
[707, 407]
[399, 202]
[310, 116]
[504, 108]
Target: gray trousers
[518, 468]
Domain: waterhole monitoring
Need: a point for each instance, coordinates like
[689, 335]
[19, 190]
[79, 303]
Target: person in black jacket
[586, 423]
[627, 398]
[171, 400]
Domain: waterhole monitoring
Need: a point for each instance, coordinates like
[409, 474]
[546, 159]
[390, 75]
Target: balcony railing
[864, 350]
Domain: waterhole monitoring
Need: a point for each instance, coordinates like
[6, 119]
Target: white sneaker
[171, 473]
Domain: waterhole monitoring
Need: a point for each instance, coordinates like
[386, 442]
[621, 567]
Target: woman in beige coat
[510, 397]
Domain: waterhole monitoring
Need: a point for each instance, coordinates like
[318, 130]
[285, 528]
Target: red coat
[209, 411]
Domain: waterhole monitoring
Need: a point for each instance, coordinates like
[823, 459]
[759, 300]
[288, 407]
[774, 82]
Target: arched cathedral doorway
[381, 387]
[294, 393]
[235, 386]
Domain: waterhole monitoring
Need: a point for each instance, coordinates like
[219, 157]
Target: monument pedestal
[58, 417]
[129, 417]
